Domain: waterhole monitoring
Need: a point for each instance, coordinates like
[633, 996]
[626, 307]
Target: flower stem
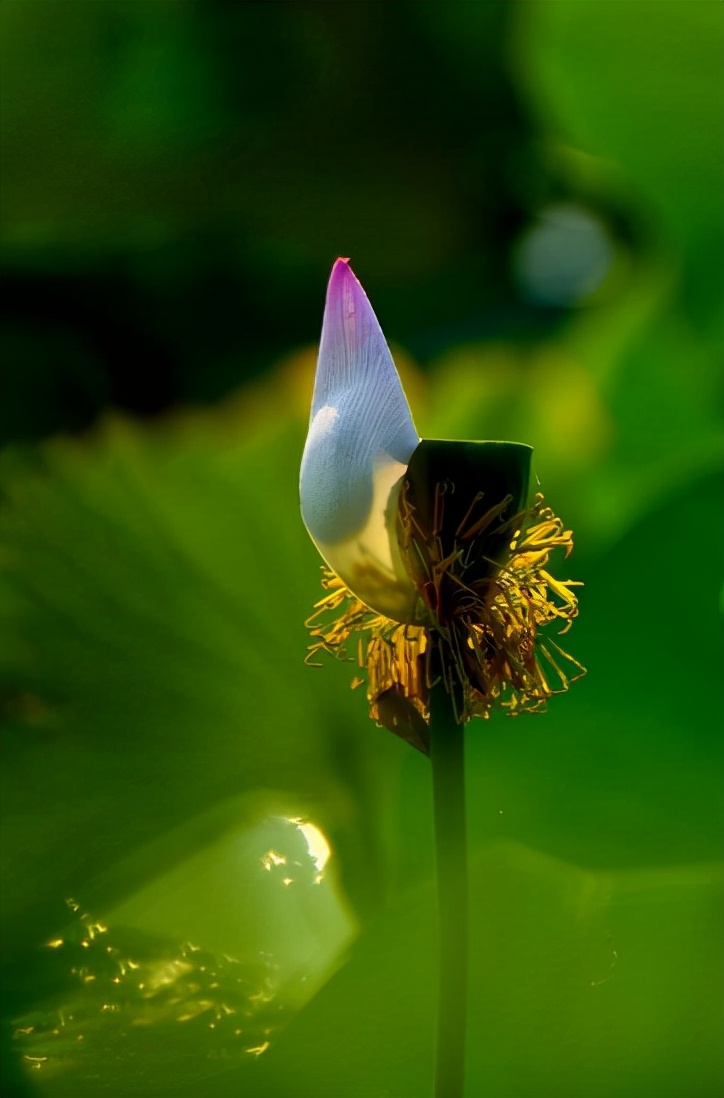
[447, 743]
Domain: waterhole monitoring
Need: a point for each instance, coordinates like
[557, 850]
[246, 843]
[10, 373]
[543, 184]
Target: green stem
[447, 756]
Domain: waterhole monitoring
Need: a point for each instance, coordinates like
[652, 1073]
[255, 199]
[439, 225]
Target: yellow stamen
[486, 632]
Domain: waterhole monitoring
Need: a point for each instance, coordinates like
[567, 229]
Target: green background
[531, 195]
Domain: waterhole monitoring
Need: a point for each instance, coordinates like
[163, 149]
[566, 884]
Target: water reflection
[318, 850]
[204, 964]
[135, 1001]
[317, 845]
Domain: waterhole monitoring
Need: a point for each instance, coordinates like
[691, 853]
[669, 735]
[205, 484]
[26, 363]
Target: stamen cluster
[485, 595]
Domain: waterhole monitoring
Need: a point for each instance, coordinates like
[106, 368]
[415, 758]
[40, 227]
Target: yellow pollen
[487, 633]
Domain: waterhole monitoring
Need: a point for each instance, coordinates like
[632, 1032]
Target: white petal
[361, 437]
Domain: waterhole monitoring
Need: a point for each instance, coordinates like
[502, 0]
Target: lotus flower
[431, 552]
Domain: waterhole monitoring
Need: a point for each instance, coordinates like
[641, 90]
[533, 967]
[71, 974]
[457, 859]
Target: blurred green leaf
[581, 983]
[636, 84]
[155, 581]
[622, 408]
[196, 971]
[155, 586]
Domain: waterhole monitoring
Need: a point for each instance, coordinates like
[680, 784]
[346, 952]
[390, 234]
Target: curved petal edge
[361, 437]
